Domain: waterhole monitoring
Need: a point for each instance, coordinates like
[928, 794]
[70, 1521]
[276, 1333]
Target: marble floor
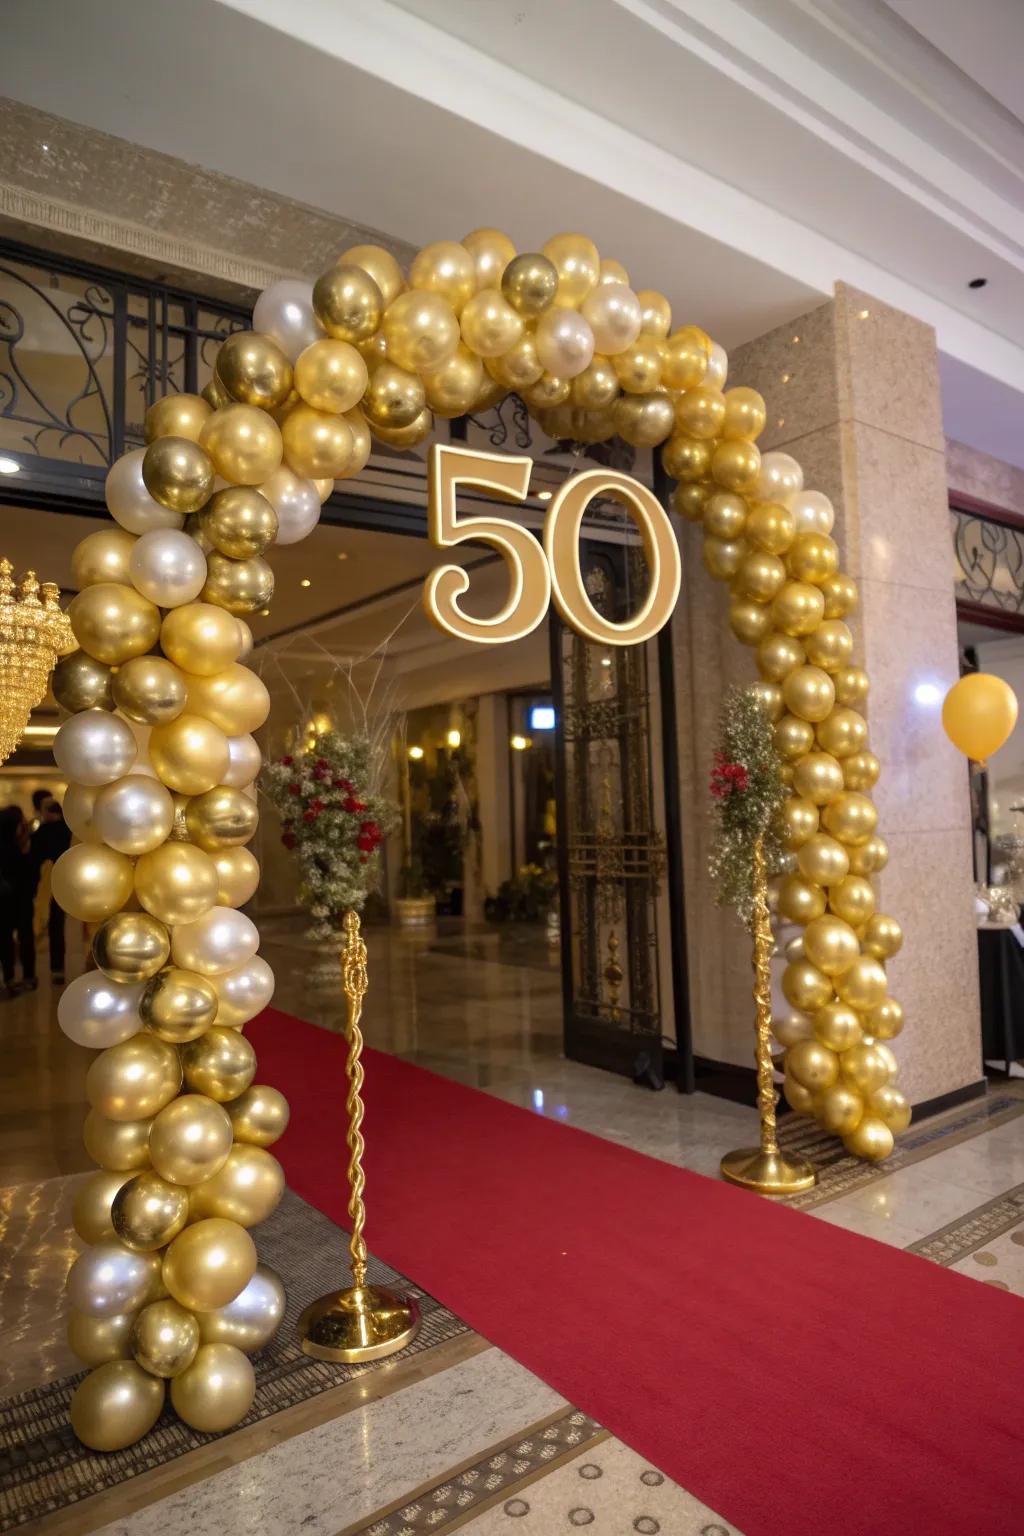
[472, 1440]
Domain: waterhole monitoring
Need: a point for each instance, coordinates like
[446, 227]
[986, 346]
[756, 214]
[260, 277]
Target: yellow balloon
[725, 515]
[643, 420]
[808, 691]
[519, 367]
[176, 416]
[133, 1080]
[656, 313]
[117, 1144]
[102, 556]
[890, 1105]
[778, 655]
[244, 444]
[838, 1026]
[177, 883]
[114, 622]
[885, 1021]
[91, 881]
[840, 594]
[130, 947]
[490, 324]
[190, 754]
[793, 738]
[813, 557]
[238, 875]
[831, 645]
[798, 609]
[259, 1116]
[178, 1005]
[745, 414]
[861, 770]
[421, 330]
[189, 1140]
[381, 266]
[979, 714]
[840, 1109]
[235, 700]
[799, 821]
[216, 1390]
[686, 458]
[491, 251]
[749, 621]
[735, 466]
[177, 473]
[452, 388]
[247, 1189]
[638, 369]
[577, 263]
[220, 1063]
[869, 857]
[547, 391]
[769, 696]
[812, 1065]
[200, 638]
[254, 369]
[147, 1212]
[863, 986]
[871, 1139]
[853, 899]
[239, 522]
[819, 777]
[831, 944]
[90, 1209]
[116, 1405]
[701, 411]
[209, 1263]
[164, 1338]
[805, 987]
[447, 268]
[686, 357]
[690, 500]
[822, 860]
[95, 1340]
[883, 937]
[843, 733]
[348, 303]
[800, 899]
[722, 557]
[771, 527]
[851, 818]
[394, 397]
[759, 576]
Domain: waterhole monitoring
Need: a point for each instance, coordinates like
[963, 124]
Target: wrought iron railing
[989, 562]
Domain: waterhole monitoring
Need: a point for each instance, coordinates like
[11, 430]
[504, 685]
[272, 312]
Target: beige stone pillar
[853, 393]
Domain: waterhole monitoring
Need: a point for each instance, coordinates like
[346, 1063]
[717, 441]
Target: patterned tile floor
[480, 1444]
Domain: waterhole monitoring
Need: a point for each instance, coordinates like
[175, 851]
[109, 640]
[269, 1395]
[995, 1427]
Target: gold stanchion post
[362, 1322]
[764, 1168]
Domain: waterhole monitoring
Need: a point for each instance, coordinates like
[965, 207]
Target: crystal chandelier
[33, 633]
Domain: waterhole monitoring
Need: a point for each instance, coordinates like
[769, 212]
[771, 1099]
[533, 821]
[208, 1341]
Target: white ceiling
[740, 156]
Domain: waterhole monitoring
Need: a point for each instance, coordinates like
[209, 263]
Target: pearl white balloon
[615, 315]
[168, 567]
[252, 1319]
[718, 367]
[780, 480]
[130, 503]
[94, 747]
[244, 761]
[78, 803]
[221, 940]
[108, 1279]
[244, 992]
[565, 342]
[97, 1012]
[134, 814]
[813, 512]
[296, 503]
[285, 311]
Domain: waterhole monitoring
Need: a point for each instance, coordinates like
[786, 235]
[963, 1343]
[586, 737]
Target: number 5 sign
[539, 574]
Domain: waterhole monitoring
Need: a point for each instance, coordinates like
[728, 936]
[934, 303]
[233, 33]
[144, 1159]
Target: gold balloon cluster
[158, 750]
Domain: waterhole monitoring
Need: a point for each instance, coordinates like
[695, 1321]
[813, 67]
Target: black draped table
[1001, 974]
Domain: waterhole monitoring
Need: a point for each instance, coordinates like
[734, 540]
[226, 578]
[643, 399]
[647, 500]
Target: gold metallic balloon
[638, 370]
[840, 1109]
[851, 686]
[121, 1145]
[220, 1063]
[799, 821]
[798, 608]
[745, 414]
[800, 899]
[200, 638]
[813, 557]
[116, 1405]
[381, 266]
[239, 522]
[865, 1067]
[421, 330]
[805, 987]
[771, 527]
[863, 986]
[577, 265]
[331, 376]
[868, 858]
[808, 691]
[547, 391]
[735, 466]
[130, 946]
[836, 1025]
[491, 251]
[853, 899]
[240, 586]
[890, 1105]
[778, 655]
[656, 313]
[178, 1005]
[520, 366]
[176, 416]
[133, 1080]
[722, 557]
[700, 412]
[749, 621]
[149, 689]
[190, 754]
[348, 303]
[216, 1390]
[840, 594]
[177, 473]
[799, 1099]
[259, 1116]
[686, 355]
[725, 515]
[769, 696]
[822, 860]
[843, 733]
[90, 1209]
[247, 1189]
[244, 444]
[447, 268]
[95, 1340]
[831, 944]
[861, 770]
[215, 395]
[189, 1140]
[221, 818]
[362, 444]
[883, 937]
[795, 1026]
[689, 499]
[490, 324]
[851, 818]
[686, 458]
[819, 777]
[793, 738]
[885, 1021]
[81, 682]
[409, 436]
[452, 388]
[253, 369]
[394, 397]
[235, 699]
[529, 283]
[643, 420]
[209, 1263]
[147, 1212]
[91, 881]
[114, 622]
[612, 271]
[102, 556]
[176, 883]
[164, 1338]
[831, 645]
[759, 576]
[238, 875]
[812, 1065]
[252, 1319]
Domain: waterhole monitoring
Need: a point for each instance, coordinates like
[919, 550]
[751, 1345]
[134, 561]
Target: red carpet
[801, 1380]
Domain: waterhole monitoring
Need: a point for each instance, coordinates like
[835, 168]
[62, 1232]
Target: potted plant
[415, 904]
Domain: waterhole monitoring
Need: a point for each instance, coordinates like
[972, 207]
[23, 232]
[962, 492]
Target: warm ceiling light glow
[415, 753]
[795, 340]
[519, 743]
[305, 582]
[544, 495]
[606, 661]
[9, 466]
[454, 738]
[264, 613]
[863, 314]
[41, 730]
[342, 554]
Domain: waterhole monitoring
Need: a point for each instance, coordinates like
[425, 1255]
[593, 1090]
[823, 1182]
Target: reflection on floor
[479, 1443]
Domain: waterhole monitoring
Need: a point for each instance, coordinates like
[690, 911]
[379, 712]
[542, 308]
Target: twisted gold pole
[362, 1322]
[765, 1169]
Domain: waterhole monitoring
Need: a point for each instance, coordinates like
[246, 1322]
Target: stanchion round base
[365, 1322]
[769, 1173]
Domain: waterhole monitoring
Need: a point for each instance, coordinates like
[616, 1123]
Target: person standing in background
[39, 799]
[51, 838]
[17, 885]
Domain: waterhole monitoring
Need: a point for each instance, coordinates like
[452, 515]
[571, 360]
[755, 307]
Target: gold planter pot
[411, 911]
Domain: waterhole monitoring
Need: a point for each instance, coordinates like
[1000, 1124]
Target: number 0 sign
[537, 574]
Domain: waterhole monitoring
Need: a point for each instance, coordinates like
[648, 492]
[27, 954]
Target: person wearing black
[50, 839]
[18, 876]
[39, 800]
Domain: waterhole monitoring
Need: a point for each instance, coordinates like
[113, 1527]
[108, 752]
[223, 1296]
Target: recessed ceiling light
[264, 613]
[978, 282]
[342, 554]
[305, 582]
[795, 340]
[9, 466]
[544, 495]
[863, 314]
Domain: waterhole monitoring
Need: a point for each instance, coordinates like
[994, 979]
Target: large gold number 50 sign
[536, 574]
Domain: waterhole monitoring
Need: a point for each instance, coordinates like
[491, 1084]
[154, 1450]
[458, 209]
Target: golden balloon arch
[161, 761]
